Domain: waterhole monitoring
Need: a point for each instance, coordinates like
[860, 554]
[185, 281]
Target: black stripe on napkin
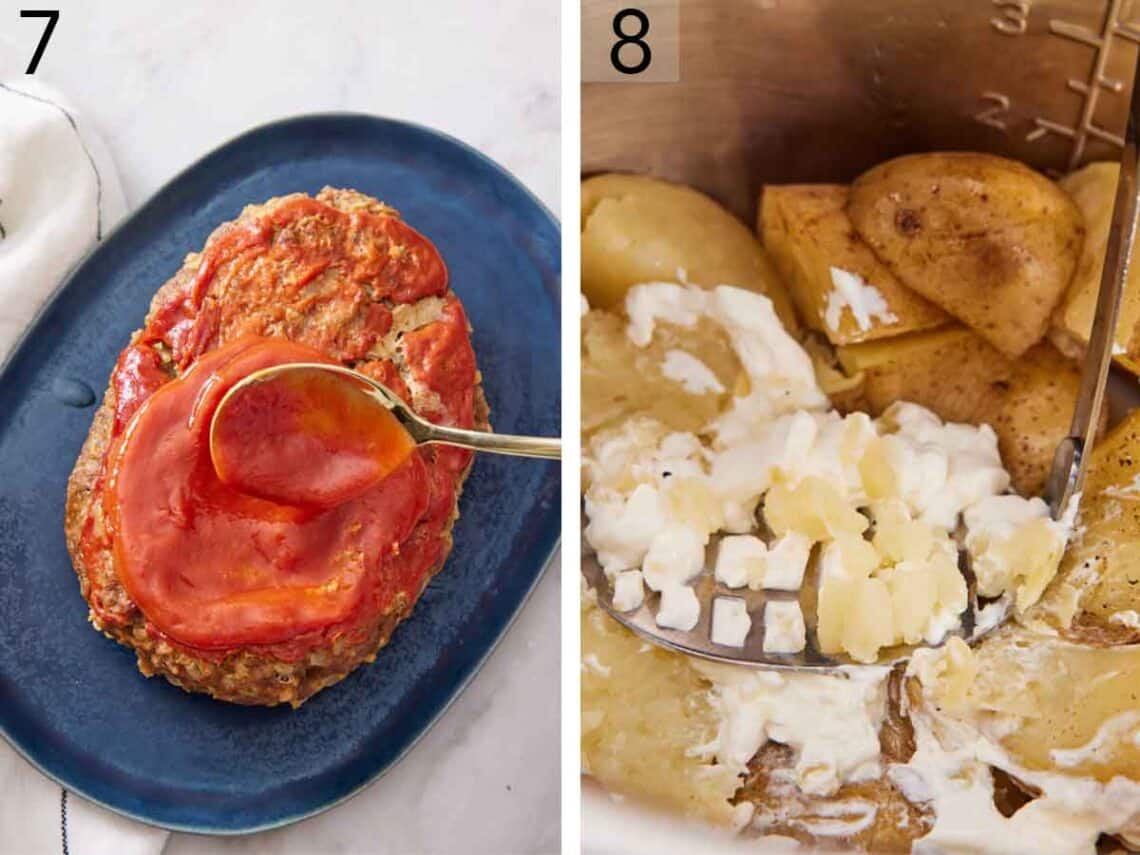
[63, 820]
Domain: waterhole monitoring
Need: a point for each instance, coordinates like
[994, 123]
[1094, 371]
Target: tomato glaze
[328, 280]
[268, 273]
[213, 567]
[308, 438]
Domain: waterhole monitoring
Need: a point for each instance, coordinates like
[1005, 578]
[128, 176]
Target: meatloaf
[343, 274]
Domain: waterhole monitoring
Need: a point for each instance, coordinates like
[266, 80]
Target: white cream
[629, 590]
[1129, 491]
[1100, 747]
[745, 560]
[786, 562]
[633, 473]
[831, 720]
[840, 443]
[696, 377]
[674, 557]
[942, 468]
[781, 375]
[741, 471]
[842, 818]
[648, 305]
[622, 529]
[1129, 618]
[740, 560]
[590, 662]
[731, 622]
[784, 630]
[639, 518]
[864, 301]
[679, 608]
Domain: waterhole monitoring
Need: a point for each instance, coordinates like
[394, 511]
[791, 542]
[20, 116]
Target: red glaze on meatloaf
[341, 274]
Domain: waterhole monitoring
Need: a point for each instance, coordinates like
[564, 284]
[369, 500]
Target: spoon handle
[498, 443]
[1070, 460]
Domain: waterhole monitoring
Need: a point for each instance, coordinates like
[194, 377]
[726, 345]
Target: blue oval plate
[71, 701]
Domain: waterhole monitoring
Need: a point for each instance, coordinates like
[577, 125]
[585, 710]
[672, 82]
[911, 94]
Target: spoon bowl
[316, 435]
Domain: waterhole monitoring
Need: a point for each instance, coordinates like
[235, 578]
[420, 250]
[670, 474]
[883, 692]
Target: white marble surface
[166, 82]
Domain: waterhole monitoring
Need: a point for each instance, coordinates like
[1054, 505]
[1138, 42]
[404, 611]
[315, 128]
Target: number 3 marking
[631, 39]
[53, 16]
[1014, 17]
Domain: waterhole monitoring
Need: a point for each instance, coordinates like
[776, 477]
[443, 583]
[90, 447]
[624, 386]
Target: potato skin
[913, 368]
[987, 239]
[640, 229]
[1033, 413]
[806, 232]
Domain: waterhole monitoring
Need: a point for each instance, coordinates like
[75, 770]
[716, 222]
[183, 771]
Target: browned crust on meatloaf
[247, 676]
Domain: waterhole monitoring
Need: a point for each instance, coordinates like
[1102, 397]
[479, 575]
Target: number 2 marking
[636, 39]
[992, 116]
[53, 17]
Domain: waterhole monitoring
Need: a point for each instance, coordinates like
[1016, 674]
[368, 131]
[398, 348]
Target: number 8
[631, 39]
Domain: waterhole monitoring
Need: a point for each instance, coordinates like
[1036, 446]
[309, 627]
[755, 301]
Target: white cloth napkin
[59, 195]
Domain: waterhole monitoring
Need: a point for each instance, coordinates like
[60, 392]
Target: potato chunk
[812, 507]
[1033, 412]
[987, 239]
[806, 232]
[621, 380]
[1096, 595]
[1075, 706]
[916, 368]
[640, 229]
[643, 711]
[1093, 189]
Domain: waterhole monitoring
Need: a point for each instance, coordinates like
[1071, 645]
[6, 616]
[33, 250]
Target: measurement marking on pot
[1014, 17]
[992, 116]
[1090, 88]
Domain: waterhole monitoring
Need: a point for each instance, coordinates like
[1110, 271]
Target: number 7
[53, 17]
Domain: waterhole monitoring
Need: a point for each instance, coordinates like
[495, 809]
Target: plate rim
[22, 342]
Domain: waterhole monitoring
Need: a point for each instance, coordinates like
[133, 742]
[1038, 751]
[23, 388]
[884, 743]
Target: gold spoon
[344, 448]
